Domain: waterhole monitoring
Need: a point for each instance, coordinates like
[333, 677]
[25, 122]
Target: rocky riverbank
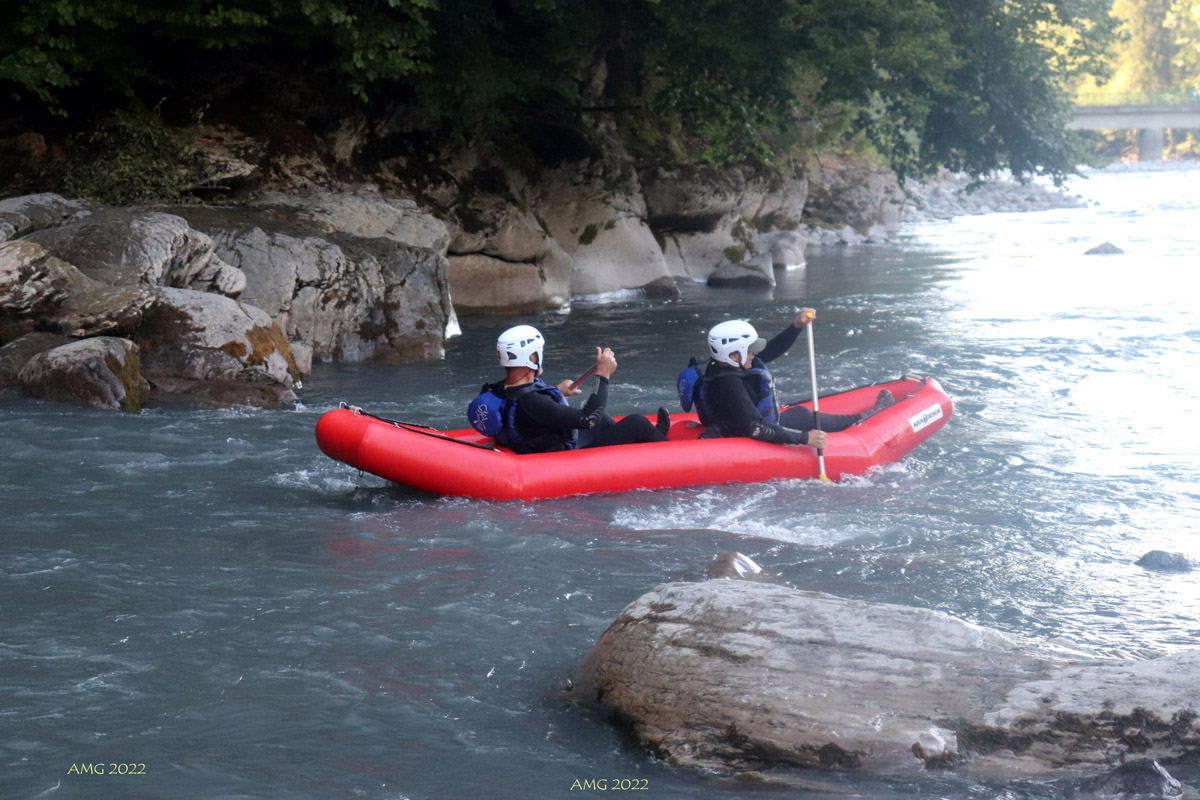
[231, 304]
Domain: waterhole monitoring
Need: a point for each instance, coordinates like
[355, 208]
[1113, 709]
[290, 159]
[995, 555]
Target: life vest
[495, 416]
[759, 382]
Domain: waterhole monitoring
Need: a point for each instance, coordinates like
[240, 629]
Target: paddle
[591, 371]
[812, 367]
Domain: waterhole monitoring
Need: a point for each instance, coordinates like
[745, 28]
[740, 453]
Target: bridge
[1151, 113]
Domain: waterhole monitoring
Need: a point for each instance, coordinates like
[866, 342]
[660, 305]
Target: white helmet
[518, 345]
[733, 336]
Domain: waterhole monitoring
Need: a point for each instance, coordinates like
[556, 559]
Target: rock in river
[734, 675]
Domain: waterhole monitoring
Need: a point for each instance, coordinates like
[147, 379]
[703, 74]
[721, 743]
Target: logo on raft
[925, 418]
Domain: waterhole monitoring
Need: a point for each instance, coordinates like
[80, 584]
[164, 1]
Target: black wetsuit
[731, 402]
[541, 421]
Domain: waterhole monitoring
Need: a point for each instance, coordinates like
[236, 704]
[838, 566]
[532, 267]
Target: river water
[202, 603]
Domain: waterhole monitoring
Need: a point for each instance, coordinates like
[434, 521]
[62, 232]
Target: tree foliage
[970, 84]
[123, 47]
[1184, 19]
[1158, 46]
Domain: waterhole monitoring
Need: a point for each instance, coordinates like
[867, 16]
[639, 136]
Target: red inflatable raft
[463, 463]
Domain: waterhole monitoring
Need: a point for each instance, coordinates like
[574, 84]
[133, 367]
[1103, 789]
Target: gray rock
[700, 214]
[41, 292]
[101, 372]
[754, 272]
[1140, 779]
[122, 247]
[337, 274]
[853, 193]
[1108, 248]
[786, 248]
[732, 674]
[33, 212]
[207, 348]
[735, 566]
[948, 195]
[602, 231]
[1161, 559]
[16, 354]
[485, 284]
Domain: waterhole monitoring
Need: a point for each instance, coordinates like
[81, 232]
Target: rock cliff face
[229, 304]
[600, 227]
[735, 675]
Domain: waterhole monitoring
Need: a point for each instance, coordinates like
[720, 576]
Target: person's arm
[545, 412]
[780, 344]
[606, 365]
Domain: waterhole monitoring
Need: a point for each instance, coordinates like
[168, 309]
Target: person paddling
[527, 415]
[735, 395]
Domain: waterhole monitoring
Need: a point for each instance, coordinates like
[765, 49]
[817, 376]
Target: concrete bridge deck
[1151, 120]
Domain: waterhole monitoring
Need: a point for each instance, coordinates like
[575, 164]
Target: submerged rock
[1140, 779]
[1108, 248]
[736, 567]
[754, 272]
[1161, 559]
[734, 675]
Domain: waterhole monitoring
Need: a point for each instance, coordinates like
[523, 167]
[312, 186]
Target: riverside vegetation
[362, 174]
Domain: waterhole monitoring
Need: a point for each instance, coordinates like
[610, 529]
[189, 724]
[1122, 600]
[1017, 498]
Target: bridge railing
[1163, 98]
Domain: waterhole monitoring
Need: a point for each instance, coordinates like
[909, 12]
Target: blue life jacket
[687, 382]
[759, 382]
[494, 415]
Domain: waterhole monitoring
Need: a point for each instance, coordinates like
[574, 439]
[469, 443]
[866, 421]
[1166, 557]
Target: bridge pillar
[1150, 144]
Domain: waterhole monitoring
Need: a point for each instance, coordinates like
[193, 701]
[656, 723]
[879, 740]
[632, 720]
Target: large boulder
[502, 259]
[347, 276]
[101, 372]
[786, 248]
[41, 292]
[733, 675]
[16, 354]
[749, 273]
[1164, 560]
[853, 192]
[708, 218]
[124, 247]
[34, 212]
[207, 348]
[194, 346]
[596, 213]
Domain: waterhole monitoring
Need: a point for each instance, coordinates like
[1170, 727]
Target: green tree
[970, 84]
[123, 47]
[1185, 21]
[1147, 46]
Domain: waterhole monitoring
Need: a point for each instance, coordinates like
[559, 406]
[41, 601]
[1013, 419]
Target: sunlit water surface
[205, 596]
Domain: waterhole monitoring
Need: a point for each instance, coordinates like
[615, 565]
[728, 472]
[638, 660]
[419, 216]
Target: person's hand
[606, 362]
[816, 439]
[805, 316]
[567, 391]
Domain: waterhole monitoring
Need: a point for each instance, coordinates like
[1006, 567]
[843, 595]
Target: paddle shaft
[591, 371]
[812, 370]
